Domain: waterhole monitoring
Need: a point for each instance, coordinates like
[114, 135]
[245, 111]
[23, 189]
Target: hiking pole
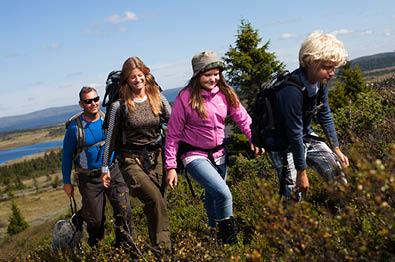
[189, 184]
[130, 238]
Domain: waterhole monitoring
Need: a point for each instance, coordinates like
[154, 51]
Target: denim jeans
[318, 156]
[218, 198]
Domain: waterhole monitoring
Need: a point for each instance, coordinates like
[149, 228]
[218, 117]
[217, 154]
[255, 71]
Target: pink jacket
[186, 125]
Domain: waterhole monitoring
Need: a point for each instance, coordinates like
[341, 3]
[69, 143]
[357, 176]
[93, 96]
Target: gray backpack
[67, 234]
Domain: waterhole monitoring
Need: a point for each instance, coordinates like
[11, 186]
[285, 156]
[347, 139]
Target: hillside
[375, 62]
[37, 119]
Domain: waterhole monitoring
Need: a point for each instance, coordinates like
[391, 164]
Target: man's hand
[68, 189]
[106, 179]
[343, 158]
[302, 181]
[171, 178]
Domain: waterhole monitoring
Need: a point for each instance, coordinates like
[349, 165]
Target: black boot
[227, 231]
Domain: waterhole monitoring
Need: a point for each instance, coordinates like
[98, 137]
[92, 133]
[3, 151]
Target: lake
[15, 153]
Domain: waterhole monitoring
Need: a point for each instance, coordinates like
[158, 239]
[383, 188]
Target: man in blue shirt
[319, 56]
[83, 146]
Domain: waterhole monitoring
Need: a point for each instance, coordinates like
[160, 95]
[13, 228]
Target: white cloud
[287, 36]
[172, 75]
[342, 32]
[51, 46]
[116, 19]
[387, 32]
[367, 32]
[74, 74]
[13, 55]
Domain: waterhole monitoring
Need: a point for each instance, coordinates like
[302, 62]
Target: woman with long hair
[134, 133]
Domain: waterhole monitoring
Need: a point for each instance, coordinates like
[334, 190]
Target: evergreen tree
[349, 84]
[249, 64]
[55, 182]
[16, 221]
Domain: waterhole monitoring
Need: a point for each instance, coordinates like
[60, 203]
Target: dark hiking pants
[146, 182]
[93, 202]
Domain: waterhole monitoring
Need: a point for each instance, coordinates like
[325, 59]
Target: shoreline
[31, 137]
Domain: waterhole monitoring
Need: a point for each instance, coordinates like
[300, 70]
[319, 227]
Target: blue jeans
[218, 198]
[318, 156]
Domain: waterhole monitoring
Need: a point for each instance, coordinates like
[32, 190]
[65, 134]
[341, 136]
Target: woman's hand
[171, 178]
[106, 179]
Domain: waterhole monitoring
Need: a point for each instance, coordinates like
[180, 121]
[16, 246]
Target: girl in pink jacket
[196, 132]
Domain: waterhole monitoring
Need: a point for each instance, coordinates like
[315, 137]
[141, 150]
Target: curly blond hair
[322, 47]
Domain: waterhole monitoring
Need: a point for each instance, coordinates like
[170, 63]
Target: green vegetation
[17, 222]
[249, 64]
[12, 175]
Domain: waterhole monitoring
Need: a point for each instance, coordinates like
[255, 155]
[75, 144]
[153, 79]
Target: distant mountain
[374, 62]
[41, 118]
[52, 116]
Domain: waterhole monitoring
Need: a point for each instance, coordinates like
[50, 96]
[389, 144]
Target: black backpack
[112, 88]
[266, 131]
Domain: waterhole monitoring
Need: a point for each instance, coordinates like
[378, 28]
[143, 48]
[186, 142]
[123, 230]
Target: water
[15, 153]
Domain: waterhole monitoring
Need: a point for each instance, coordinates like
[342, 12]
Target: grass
[37, 209]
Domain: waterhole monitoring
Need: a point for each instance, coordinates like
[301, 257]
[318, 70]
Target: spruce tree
[17, 222]
[250, 64]
[349, 83]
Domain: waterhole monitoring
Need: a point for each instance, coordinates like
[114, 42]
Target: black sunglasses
[89, 101]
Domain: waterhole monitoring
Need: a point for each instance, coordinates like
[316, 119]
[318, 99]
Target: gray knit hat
[204, 61]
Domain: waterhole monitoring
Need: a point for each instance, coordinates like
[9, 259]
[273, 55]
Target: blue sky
[49, 49]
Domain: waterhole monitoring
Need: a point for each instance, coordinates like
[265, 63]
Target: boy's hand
[343, 158]
[302, 181]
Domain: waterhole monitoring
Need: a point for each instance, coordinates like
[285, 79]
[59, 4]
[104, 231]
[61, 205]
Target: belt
[87, 172]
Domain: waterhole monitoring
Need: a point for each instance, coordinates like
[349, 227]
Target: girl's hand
[257, 150]
[171, 178]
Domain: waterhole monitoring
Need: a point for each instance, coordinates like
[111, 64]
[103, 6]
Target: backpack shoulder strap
[80, 136]
[77, 118]
[294, 80]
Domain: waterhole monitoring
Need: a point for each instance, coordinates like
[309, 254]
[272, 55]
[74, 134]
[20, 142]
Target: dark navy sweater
[292, 106]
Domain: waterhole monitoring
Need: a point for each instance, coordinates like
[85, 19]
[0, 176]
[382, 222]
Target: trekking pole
[189, 184]
[129, 236]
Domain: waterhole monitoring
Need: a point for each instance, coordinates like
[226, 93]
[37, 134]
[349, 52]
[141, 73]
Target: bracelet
[105, 169]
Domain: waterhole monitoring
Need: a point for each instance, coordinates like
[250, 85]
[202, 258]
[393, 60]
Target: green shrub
[17, 222]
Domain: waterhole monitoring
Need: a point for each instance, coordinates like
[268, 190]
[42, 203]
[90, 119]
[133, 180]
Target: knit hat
[205, 61]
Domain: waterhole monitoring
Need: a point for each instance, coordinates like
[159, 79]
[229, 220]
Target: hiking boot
[227, 231]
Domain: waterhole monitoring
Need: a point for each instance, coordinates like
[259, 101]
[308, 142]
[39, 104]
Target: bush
[17, 222]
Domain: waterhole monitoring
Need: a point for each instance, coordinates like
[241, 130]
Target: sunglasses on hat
[89, 101]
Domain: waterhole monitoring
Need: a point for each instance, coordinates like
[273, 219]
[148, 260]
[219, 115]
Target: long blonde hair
[152, 89]
[196, 99]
